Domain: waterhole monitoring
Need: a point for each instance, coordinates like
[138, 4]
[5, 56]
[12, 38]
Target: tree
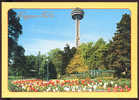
[14, 31]
[98, 54]
[67, 55]
[52, 71]
[31, 68]
[76, 64]
[93, 54]
[56, 57]
[86, 50]
[119, 48]
[16, 58]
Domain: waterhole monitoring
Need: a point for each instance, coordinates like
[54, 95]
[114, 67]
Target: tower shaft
[77, 32]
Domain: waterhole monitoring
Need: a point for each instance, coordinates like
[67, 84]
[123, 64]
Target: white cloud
[44, 46]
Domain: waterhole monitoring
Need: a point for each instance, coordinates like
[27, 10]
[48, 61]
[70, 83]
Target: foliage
[16, 58]
[119, 48]
[76, 64]
[93, 55]
[86, 52]
[67, 55]
[56, 56]
[14, 31]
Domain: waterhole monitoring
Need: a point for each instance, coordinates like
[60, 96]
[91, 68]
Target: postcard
[69, 50]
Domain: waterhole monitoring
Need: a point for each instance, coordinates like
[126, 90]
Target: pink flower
[120, 87]
[128, 89]
[115, 89]
[126, 86]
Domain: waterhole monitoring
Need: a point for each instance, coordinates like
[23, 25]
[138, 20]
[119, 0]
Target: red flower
[45, 84]
[68, 81]
[77, 83]
[70, 84]
[121, 90]
[109, 89]
[82, 81]
[62, 84]
[37, 83]
[92, 81]
[57, 81]
[100, 80]
[115, 89]
[36, 90]
[32, 88]
[53, 83]
[73, 81]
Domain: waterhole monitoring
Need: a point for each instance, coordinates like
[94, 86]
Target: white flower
[84, 89]
[23, 87]
[90, 90]
[112, 82]
[100, 83]
[105, 83]
[89, 85]
[76, 87]
[73, 89]
[79, 90]
[48, 89]
[95, 86]
[54, 90]
[104, 86]
[115, 85]
[66, 88]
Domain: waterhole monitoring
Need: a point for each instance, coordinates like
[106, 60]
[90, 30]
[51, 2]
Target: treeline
[99, 55]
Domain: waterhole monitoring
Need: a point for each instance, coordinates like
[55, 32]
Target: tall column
[77, 32]
[77, 15]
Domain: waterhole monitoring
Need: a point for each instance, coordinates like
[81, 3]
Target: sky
[47, 29]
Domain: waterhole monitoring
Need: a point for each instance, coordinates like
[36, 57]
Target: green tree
[93, 54]
[67, 56]
[14, 31]
[56, 56]
[98, 54]
[119, 48]
[36, 66]
[16, 58]
[31, 68]
[86, 50]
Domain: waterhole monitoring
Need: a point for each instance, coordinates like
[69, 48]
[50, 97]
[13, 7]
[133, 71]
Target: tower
[77, 15]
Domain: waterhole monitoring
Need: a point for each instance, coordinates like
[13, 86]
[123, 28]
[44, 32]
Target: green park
[92, 66]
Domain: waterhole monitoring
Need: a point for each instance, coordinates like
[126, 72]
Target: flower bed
[37, 85]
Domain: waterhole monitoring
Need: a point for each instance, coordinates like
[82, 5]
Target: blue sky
[46, 33]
